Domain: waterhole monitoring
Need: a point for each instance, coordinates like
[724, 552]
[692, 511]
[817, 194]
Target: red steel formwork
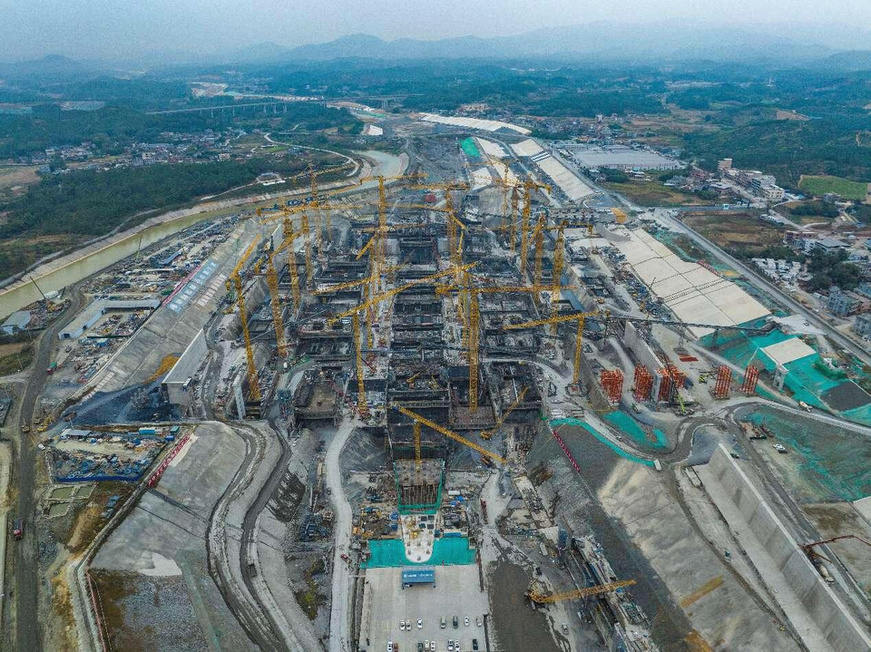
[612, 383]
[751, 377]
[643, 383]
[724, 382]
[678, 377]
[665, 385]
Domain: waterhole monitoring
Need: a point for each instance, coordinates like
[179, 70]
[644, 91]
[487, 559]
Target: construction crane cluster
[307, 230]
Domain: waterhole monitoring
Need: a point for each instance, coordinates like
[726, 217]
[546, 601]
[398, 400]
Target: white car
[389, 646]
[478, 621]
[450, 645]
[402, 625]
[466, 621]
[426, 644]
[419, 623]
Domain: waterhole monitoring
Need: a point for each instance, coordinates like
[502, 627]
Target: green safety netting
[614, 447]
[834, 462]
[629, 427]
[470, 148]
[447, 551]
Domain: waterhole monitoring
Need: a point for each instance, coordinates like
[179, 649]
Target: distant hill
[599, 41]
[50, 65]
[853, 60]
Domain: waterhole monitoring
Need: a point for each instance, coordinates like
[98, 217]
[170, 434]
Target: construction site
[450, 409]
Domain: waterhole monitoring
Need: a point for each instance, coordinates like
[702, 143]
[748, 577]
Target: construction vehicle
[817, 559]
[486, 434]
[354, 313]
[577, 594]
[579, 317]
[421, 420]
[235, 281]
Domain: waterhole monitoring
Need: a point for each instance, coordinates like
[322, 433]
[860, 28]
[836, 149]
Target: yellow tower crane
[579, 317]
[369, 283]
[382, 203]
[453, 223]
[509, 200]
[419, 419]
[315, 198]
[453, 240]
[471, 333]
[588, 592]
[287, 244]
[486, 434]
[376, 247]
[530, 185]
[304, 229]
[354, 313]
[235, 281]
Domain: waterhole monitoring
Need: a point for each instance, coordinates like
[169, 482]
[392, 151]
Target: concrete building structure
[862, 325]
[845, 303]
[16, 322]
[621, 157]
[176, 384]
[91, 315]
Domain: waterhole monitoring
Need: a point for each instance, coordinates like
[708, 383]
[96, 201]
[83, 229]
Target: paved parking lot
[456, 593]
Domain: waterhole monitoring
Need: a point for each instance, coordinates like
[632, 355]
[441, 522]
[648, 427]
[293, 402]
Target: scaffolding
[419, 485]
[751, 377]
[666, 386]
[724, 382]
[643, 383]
[612, 383]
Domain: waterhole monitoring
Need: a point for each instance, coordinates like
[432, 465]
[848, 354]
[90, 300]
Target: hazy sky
[126, 28]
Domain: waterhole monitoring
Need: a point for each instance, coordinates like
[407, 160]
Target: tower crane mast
[235, 281]
[354, 313]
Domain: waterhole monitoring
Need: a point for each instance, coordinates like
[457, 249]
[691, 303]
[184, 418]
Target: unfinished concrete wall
[184, 368]
[780, 561]
[643, 353]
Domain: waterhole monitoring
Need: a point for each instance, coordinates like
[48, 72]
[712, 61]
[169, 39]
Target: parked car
[456, 622]
[444, 624]
[18, 528]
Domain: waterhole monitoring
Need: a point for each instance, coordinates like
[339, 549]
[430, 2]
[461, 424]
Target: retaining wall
[779, 560]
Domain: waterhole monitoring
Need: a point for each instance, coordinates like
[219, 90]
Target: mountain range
[836, 46]
[596, 42]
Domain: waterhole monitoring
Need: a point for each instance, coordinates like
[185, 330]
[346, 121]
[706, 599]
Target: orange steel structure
[612, 383]
[751, 377]
[643, 383]
[724, 382]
